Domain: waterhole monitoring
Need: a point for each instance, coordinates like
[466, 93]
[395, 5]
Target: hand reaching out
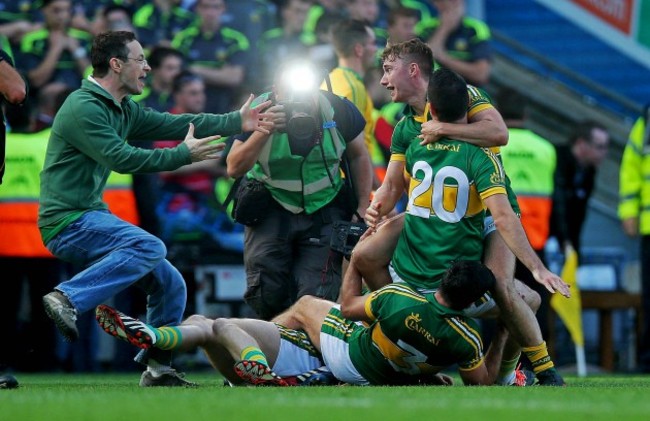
[204, 148]
[552, 282]
[253, 119]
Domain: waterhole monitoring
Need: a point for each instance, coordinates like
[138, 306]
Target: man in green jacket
[88, 141]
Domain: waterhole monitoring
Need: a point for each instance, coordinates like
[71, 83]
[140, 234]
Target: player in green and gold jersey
[406, 75]
[407, 337]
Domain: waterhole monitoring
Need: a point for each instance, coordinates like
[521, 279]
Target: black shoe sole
[8, 382]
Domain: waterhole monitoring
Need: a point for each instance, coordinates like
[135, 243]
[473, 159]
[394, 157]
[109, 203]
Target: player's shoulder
[402, 290]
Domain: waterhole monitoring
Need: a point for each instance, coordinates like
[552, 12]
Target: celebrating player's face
[395, 78]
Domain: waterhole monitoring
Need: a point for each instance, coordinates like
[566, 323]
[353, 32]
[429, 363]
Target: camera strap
[328, 83]
[330, 124]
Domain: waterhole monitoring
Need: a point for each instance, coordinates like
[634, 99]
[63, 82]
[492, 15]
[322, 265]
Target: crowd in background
[205, 56]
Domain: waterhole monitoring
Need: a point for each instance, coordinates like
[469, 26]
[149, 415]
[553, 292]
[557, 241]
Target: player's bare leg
[517, 315]
[308, 314]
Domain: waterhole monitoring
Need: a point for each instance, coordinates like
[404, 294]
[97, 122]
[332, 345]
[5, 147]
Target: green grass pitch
[118, 397]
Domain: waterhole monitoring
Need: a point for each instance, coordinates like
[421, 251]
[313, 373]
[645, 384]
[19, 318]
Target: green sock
[507, 371]
[253, 353]
[168, 337]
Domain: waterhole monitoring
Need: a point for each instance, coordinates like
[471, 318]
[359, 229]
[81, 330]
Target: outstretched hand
[202, 149]
[552, 282]
[253, 119]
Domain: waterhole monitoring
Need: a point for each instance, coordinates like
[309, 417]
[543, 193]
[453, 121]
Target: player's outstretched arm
[387, 194]
[510, 228]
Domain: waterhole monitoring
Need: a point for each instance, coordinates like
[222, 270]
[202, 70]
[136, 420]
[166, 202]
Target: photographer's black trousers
[288, 256]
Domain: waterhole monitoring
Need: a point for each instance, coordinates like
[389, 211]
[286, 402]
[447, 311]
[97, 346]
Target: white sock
[506, 380]
[157, 369]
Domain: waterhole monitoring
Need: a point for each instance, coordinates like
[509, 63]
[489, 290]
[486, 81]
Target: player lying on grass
[408, 337]
[244, 351]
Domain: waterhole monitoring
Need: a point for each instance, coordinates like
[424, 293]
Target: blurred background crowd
[208, 55]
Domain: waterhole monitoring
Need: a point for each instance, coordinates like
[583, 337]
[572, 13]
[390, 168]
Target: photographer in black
[299, 191]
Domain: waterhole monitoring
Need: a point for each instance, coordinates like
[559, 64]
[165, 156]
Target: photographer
[298, 168]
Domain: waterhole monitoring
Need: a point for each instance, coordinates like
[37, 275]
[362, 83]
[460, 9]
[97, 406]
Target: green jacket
[89, 140]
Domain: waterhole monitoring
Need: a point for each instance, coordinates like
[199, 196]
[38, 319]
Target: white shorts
[293, 360]
[336, 356]
[477, 309]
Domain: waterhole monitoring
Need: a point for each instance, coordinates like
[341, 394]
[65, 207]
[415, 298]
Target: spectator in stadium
[575, 179]
[252, 18]
[286, 42]
[287, 252]
[424, 8]
[249, 351]
[401, 24]
[458, 42]
[56, 52]
[187, 203]
[74, 223]
[217, 53]
[13, 90]
[331, 10]
[166, 63]
[406, 69]
[49, 97]
[354, 43]
[13, 30]
[366, 11]
[112, 17]
[530, 160]
[90, 15]
[157, 22]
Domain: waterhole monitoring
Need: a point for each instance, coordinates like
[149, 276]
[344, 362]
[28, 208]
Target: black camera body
[302, 122]
[302, 125]
[346, 235]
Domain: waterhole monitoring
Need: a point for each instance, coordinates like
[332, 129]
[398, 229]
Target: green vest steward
[634, 188]
[297, 183]
[530, 161]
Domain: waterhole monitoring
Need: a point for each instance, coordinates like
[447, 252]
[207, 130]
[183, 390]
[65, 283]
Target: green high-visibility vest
[297, 183]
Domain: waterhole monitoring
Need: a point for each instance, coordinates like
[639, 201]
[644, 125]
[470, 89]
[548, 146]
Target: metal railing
[596, 88]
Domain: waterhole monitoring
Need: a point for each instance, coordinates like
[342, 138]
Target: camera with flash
[299, 85]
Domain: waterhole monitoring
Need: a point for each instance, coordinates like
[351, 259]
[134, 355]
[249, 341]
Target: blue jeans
[114, 255]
